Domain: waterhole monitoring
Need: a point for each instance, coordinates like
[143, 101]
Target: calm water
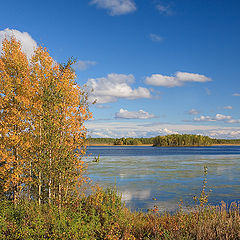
[167, 174]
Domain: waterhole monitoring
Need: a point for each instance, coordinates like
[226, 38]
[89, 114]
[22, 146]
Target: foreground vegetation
[103, 216]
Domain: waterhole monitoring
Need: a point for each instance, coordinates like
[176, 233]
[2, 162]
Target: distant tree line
[120, 141]
[178, 140]
[127, 141]
[173, 140]
[109, 141]
[227, 141]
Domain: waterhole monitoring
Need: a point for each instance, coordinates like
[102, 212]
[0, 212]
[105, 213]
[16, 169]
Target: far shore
[226, 144]
[149, 145]
[111, 145]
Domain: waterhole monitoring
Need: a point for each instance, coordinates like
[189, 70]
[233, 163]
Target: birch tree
[42, 118]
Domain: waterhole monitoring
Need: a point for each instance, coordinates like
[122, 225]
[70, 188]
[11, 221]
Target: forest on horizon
[165, 141]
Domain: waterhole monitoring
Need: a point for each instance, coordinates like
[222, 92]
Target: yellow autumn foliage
[42, 133]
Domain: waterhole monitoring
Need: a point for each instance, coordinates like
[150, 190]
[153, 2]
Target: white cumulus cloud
[116, 7]
[133, 115]
[114, 86]
[28, 43]
[217, 117]
[205, 119]
[83, 65]
[220, 117]
[178, 79]
[166, 131]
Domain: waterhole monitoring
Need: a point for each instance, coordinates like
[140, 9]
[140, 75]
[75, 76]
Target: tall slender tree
[43, 135]
[15, 118]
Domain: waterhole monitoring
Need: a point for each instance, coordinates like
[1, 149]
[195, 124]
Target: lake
[167, 174]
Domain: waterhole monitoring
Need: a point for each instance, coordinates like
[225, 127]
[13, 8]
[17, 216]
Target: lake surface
[167, 174]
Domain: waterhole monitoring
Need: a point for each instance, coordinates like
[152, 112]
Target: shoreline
[149, 145]
[226, 144]
[112, 145]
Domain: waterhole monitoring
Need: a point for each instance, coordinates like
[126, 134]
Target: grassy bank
[103, 216]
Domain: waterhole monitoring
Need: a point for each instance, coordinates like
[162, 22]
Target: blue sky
[155, 67]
